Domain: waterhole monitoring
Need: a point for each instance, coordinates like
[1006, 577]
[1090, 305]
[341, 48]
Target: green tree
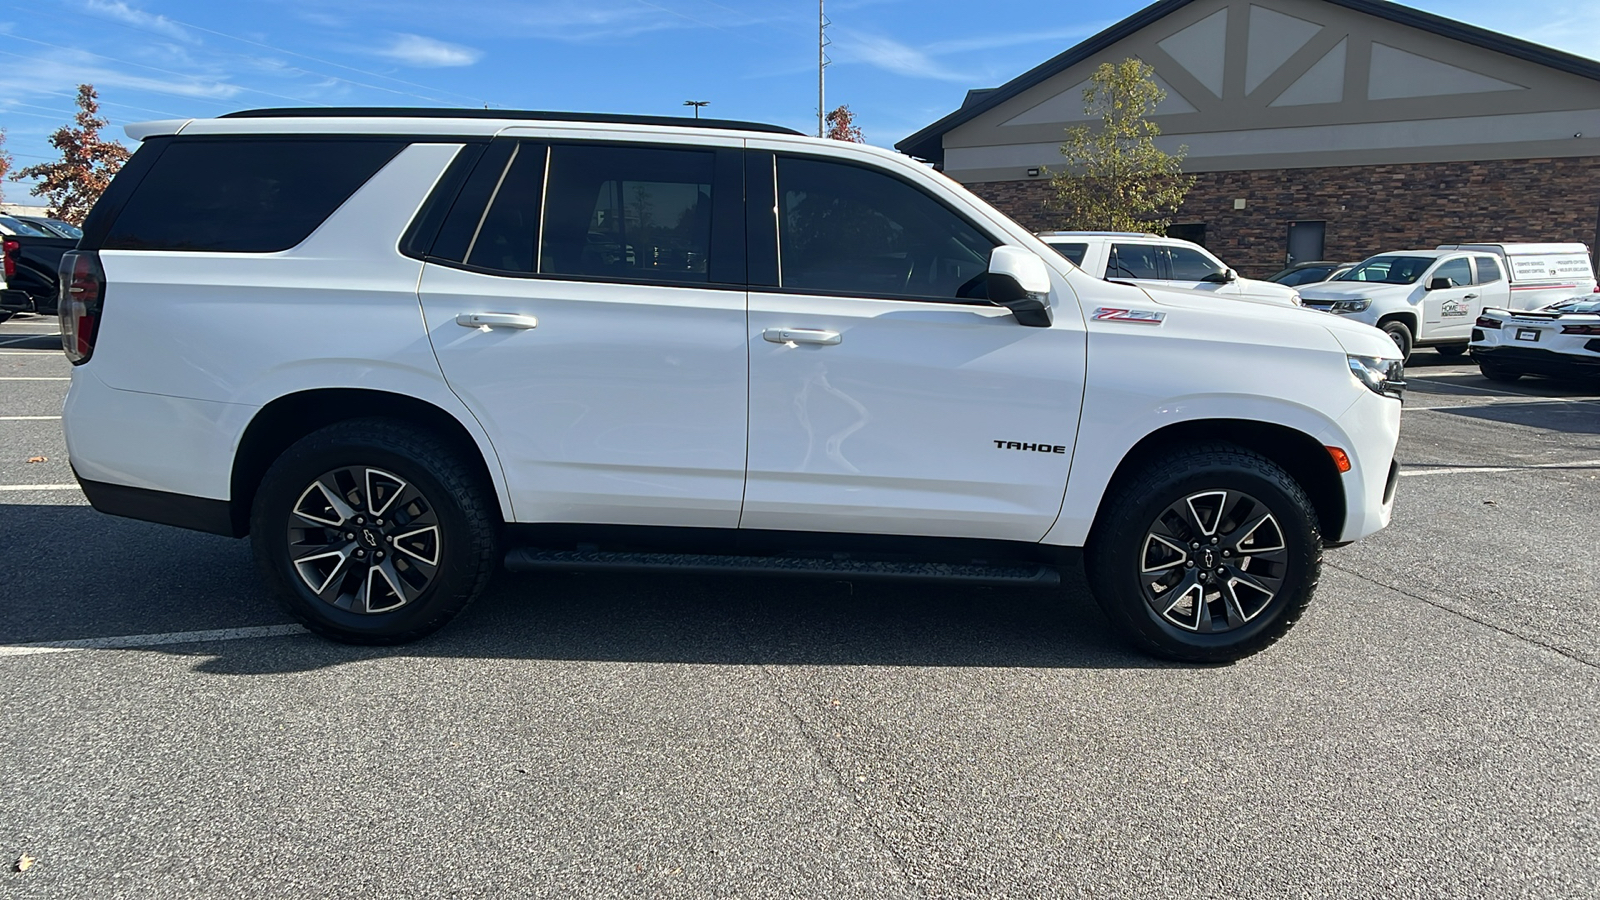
[1116, 178]
[73, 183]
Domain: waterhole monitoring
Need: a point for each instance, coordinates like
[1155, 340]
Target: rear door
[596, 327]
[886, 396]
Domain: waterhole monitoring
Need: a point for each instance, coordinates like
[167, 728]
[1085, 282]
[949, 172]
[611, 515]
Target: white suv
[1149, 260]
[401, 348]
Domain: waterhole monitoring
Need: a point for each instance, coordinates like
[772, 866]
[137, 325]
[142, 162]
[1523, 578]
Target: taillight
[10, 250]
[1487, 322]
[1580, 329]
[83, 294]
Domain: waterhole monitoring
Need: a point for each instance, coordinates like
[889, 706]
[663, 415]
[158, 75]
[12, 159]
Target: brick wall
[1368, 209]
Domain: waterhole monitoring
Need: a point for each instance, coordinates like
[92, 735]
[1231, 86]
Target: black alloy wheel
[372, 531]
[1207, 554]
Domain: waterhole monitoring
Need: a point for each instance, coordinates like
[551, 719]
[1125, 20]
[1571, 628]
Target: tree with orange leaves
[73, 183]
[842, 126]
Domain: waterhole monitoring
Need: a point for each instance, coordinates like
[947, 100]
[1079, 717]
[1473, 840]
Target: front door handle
[1470, 297]
[496, 320]
[800, 336]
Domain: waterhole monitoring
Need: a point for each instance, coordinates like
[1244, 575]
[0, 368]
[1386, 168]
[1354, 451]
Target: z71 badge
[1137, 316]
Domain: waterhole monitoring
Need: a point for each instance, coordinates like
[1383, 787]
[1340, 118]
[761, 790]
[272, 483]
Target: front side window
[628, 212]
[1389, 270]
[1134, 261]
[850, 230]
[1457, 270]
[1488, 269]
[1189, 264]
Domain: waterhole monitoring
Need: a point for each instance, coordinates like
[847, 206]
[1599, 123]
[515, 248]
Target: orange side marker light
[1340, 458]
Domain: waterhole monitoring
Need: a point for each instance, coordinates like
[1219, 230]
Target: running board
[526, 559]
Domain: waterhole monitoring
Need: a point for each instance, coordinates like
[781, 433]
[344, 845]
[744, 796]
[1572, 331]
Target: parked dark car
[32, 256]
[56, 227]
[1311, 272]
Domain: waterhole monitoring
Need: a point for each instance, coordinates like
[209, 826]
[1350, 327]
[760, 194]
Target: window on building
[850, 230]
[1193, 232]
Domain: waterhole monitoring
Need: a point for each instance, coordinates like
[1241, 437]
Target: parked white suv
[1161, 262]
[1420, 298]
[400, 348]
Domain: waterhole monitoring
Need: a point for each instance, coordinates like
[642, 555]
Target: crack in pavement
[1569, 654]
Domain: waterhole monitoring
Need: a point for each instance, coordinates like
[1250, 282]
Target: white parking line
[28, 418]
[1489, 401]
[133, 641]
[1470, 470]
[30, 353]
[27, 336]
[24, 488]
[34, 378]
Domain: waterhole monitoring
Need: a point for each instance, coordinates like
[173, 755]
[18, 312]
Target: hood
[1359, 338]
[1351, 290]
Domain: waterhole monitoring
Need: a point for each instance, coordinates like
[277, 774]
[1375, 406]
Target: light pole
[697, 104]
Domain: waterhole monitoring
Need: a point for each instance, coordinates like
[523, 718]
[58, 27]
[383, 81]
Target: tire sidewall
[1119, 551]
[1396, 328]
[281, 489]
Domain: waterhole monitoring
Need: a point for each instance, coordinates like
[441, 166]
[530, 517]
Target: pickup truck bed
[35, 260]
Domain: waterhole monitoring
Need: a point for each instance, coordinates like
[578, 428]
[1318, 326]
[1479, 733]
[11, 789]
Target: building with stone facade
[1318, 129]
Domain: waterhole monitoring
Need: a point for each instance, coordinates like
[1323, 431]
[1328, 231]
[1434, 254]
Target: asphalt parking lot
[1431, 729]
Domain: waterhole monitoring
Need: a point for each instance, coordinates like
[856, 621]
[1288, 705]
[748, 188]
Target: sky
[899, 64]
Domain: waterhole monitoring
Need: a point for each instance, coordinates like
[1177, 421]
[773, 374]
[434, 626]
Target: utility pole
[822, 63]
[697, 104]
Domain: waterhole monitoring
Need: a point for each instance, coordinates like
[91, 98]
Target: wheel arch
[1408, 319]
[1304, 457]
[291, 417]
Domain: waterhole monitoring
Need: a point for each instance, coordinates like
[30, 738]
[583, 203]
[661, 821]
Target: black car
[1310, 272]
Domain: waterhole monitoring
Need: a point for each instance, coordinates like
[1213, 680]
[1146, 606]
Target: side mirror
[1226, 276]
[1020, 282]
[1439, 284]
[1232, 276]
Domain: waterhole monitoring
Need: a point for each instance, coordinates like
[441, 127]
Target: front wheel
[1400, 333]
[1207, 555]
[371, 531]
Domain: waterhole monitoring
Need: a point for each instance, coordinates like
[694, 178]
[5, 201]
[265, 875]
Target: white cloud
[416, 50]
[122, 12]
[892, 56]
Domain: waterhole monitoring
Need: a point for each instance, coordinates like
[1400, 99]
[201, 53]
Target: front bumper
[1371, 431]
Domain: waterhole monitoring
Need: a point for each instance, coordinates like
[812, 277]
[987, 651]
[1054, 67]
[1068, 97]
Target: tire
[1498, 373]
[1400, 333]
[1451, 349]
[1265, 592]
[4, 314]
[377, 489]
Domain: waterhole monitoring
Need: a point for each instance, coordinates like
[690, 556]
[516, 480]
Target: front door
[1448, 313]
[885, 395]
[597, 329]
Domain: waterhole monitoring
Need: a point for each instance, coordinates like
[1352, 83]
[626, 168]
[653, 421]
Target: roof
[436, 112]
[928, 144]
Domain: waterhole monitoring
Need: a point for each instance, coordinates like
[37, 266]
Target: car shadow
[76, 573]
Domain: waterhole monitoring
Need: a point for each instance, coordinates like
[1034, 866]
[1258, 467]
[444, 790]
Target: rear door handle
[800, 336]
[496, 320]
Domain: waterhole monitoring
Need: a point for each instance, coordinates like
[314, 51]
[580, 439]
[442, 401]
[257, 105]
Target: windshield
[1588, 304]
[1389, 270]
[23, 228]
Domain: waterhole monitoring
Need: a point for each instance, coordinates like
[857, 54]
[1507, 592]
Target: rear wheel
[1496, 372]
[373, 532]
[1400, 333]
[1451, 349]
[1209, 554]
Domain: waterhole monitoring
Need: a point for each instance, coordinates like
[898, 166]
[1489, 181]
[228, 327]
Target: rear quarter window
[244, 195]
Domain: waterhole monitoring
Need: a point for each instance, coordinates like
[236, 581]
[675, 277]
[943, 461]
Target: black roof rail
[436, 112]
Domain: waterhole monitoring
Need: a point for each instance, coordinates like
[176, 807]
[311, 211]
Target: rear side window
[1133, 261]
[628, 212]
[1488, 269]
[244, 195]
[1073, 252]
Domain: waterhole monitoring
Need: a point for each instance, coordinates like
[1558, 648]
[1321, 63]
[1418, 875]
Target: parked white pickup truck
[1420, 298]
[1541, 274]
[1150, 260]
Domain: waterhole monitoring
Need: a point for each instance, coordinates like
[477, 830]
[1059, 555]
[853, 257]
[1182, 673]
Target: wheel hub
[1213, 561]
[364, 540]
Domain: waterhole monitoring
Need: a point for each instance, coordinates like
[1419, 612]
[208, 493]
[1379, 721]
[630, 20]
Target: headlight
[1349, 306]
[1383, 376]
